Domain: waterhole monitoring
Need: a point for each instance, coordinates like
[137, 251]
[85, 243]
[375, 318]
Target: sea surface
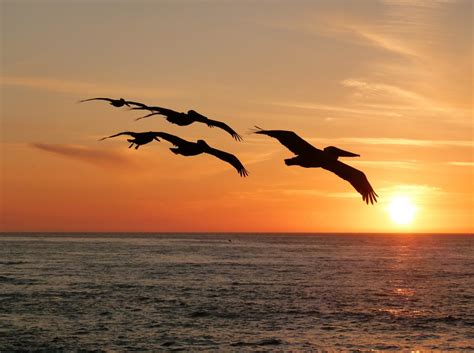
[236, 292]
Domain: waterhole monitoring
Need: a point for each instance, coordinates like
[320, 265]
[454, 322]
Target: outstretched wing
[147, 116]
[130, 133]
[155, 111]
[98, 99]
[229, 158]
[288, 139]
[138, 104]
[158, 110]
[354, 176]
[211, 123]
[337, 152]
[175, 140]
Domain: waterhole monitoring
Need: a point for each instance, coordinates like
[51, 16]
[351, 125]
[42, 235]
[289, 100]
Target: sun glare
[401, 210]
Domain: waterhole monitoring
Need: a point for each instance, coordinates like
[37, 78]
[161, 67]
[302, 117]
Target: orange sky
[389, 79]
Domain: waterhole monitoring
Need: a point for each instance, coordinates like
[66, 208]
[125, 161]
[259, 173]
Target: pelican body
[138, 138]
[115, 102]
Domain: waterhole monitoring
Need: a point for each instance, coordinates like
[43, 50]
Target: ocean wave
[18, 281]
[263, 342]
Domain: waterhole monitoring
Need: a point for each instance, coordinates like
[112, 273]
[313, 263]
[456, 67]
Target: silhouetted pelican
[187, 148]
[115, 102]
[183, 119]
[139, 138]
[308, 156]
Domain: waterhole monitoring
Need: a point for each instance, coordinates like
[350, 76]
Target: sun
[401, 210]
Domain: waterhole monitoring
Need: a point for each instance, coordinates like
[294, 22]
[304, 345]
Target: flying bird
[308, 156]
[184, 119]
[187, 148]
[115, 102]
[138, 138]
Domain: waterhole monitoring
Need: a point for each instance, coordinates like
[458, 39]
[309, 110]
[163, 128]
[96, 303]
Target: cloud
[387, 164]
[325, 107]
[370, 88]
[101, 158]
[390, 141]
[412, 189]
[313, 192]
[462, 164]
[404, 142]
[401, 19]
[382, 97]
[384, 41]
[81, 88]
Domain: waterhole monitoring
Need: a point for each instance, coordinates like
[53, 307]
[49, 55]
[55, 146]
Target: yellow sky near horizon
[390, 80]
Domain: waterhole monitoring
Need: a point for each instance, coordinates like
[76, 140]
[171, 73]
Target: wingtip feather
[256, 129]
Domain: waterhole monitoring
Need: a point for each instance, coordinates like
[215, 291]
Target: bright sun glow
[401, 210]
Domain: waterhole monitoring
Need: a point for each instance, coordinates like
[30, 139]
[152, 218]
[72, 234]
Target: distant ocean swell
[269, 293]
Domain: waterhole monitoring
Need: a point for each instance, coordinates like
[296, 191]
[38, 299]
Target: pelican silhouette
[308, 156]
[187, 148]
[139, 138]
[184, 119]
[115, 102]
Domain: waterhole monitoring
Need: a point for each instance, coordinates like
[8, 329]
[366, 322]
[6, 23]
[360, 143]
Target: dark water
[253, 293]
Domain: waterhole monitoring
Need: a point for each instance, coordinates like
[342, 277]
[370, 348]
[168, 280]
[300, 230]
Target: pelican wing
[138, 104]
[289, 139]
[354, 176]
[225, 127]
[339, 153]
[175, 140]
[130, 133]
[100, 99]
[214, 123]
[147, 116]
[156, 110]
[163, 111]
[229, 158]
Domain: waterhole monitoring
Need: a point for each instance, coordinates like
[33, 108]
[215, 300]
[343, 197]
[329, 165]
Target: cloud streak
[81, 88]
[412, 189]
[325, 107]
[384, 89]
[462, 164]
[100, 158]
[405, 142]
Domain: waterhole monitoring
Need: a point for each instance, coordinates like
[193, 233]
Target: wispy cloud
[412, 189]
[313, 192]
[282, 193]
[390, 141]
[342, 109]
[404, 142]
[402, 18]
[370, 88]
[385, 41]
[387, 164]
[462, 164]
[101, 158]
[81, 87]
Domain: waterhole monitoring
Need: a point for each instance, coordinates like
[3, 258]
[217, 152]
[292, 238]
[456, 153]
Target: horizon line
[234, 233]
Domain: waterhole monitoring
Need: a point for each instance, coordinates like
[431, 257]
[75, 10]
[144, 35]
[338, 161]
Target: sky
[390, 80]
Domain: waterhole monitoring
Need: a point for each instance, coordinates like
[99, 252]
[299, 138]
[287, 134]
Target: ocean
[236, 292]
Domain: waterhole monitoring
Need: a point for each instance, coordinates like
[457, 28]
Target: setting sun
[401, 210]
